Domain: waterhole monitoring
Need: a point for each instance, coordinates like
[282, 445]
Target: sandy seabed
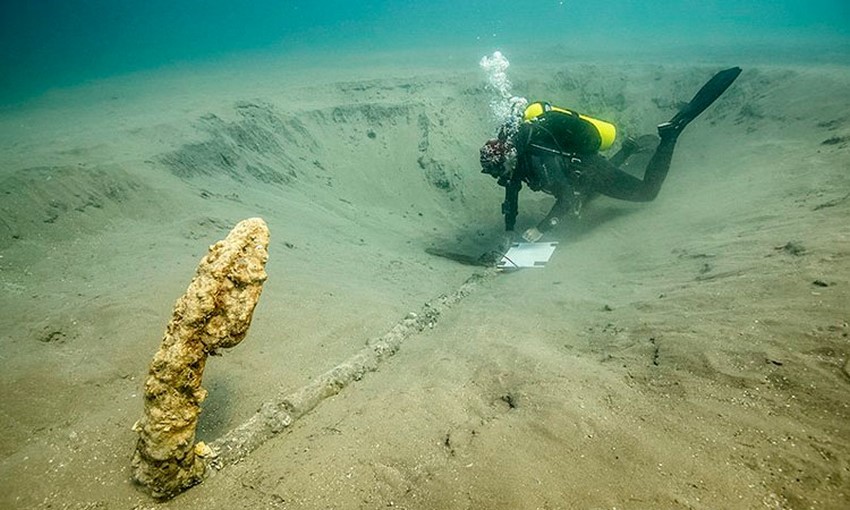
[687, 353]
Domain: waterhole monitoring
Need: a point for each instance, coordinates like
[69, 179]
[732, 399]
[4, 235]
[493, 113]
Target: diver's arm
[510, 207]
[563, 205]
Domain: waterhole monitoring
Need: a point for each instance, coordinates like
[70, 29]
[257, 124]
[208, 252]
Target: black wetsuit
[543, 165]
[558, 155]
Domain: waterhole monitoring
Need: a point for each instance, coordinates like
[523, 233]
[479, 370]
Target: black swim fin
[709, 93]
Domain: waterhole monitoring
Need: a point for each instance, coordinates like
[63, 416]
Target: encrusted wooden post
[215, 312]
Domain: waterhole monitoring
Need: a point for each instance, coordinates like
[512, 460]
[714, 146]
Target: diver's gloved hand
[532, 235]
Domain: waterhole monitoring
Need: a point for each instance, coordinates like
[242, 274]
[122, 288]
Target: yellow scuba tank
[569, 130]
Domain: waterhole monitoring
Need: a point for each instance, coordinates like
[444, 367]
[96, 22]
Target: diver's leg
[632, 146]
[629, 147]
[707, 95]
[608, 179]
[657, 168]
[605, 178]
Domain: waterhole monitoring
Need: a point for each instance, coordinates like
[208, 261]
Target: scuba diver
[556, 150]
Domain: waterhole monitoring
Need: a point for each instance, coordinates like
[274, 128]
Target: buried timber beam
[278, 414]
[215, 312]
